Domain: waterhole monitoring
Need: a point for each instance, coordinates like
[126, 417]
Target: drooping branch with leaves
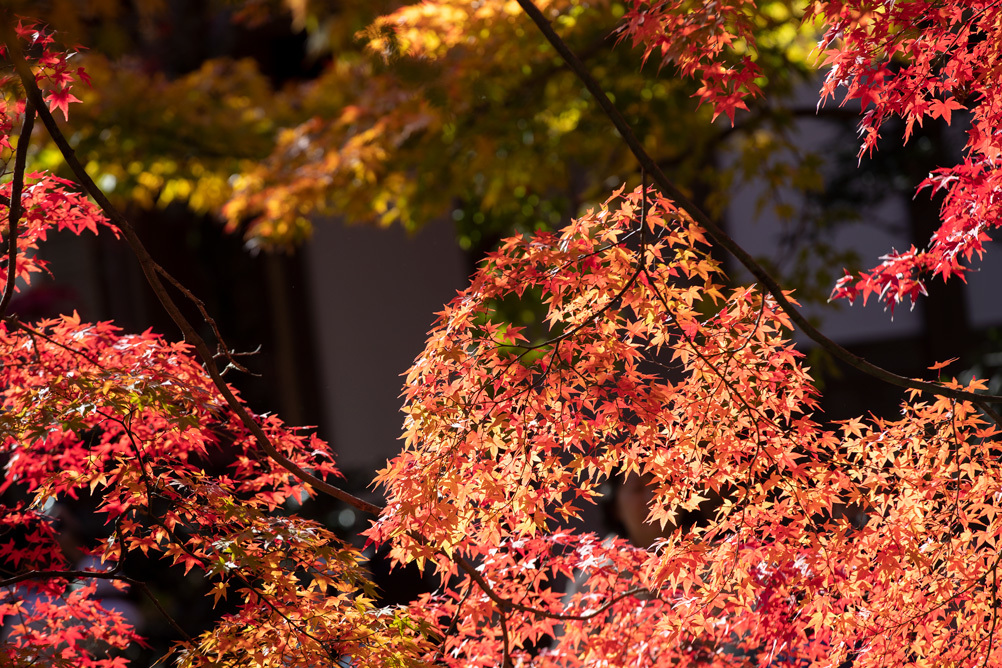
[870, 542]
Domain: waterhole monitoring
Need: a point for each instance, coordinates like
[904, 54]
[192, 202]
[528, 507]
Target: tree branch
[995, 613]
[505, 651]
[731, 246]
[113, 574]
[222, 347]
[14, 207]
[507, 605]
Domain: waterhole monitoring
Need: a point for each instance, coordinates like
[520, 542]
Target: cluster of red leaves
[137, 423]
[47, 205]
[64, 628]
[918, 60]
[873, 542]
[53, 73]
[699, 39]
[46, 620]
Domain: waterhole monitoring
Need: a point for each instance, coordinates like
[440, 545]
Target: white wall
[374, 296]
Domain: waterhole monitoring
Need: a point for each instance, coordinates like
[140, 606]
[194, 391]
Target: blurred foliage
[221, 118]
[272, 112]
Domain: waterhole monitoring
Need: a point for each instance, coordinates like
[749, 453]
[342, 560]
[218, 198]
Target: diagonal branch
[731, 246]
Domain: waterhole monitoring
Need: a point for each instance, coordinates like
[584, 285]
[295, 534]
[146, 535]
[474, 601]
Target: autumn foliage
[918, 61]
[866, 543]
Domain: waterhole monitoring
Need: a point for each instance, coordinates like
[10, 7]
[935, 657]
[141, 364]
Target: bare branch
[142, 586]
[227, 354]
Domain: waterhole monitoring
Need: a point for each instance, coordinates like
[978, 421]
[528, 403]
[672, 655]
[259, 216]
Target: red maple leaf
[61, 99]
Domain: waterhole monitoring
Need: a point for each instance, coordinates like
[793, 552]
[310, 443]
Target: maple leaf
[941, 365]
[61, 99]
[944, 108]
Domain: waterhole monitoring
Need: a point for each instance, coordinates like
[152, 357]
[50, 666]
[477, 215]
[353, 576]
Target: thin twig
[113, 574]
[200, 305]
[15, 322]
[143, 587]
